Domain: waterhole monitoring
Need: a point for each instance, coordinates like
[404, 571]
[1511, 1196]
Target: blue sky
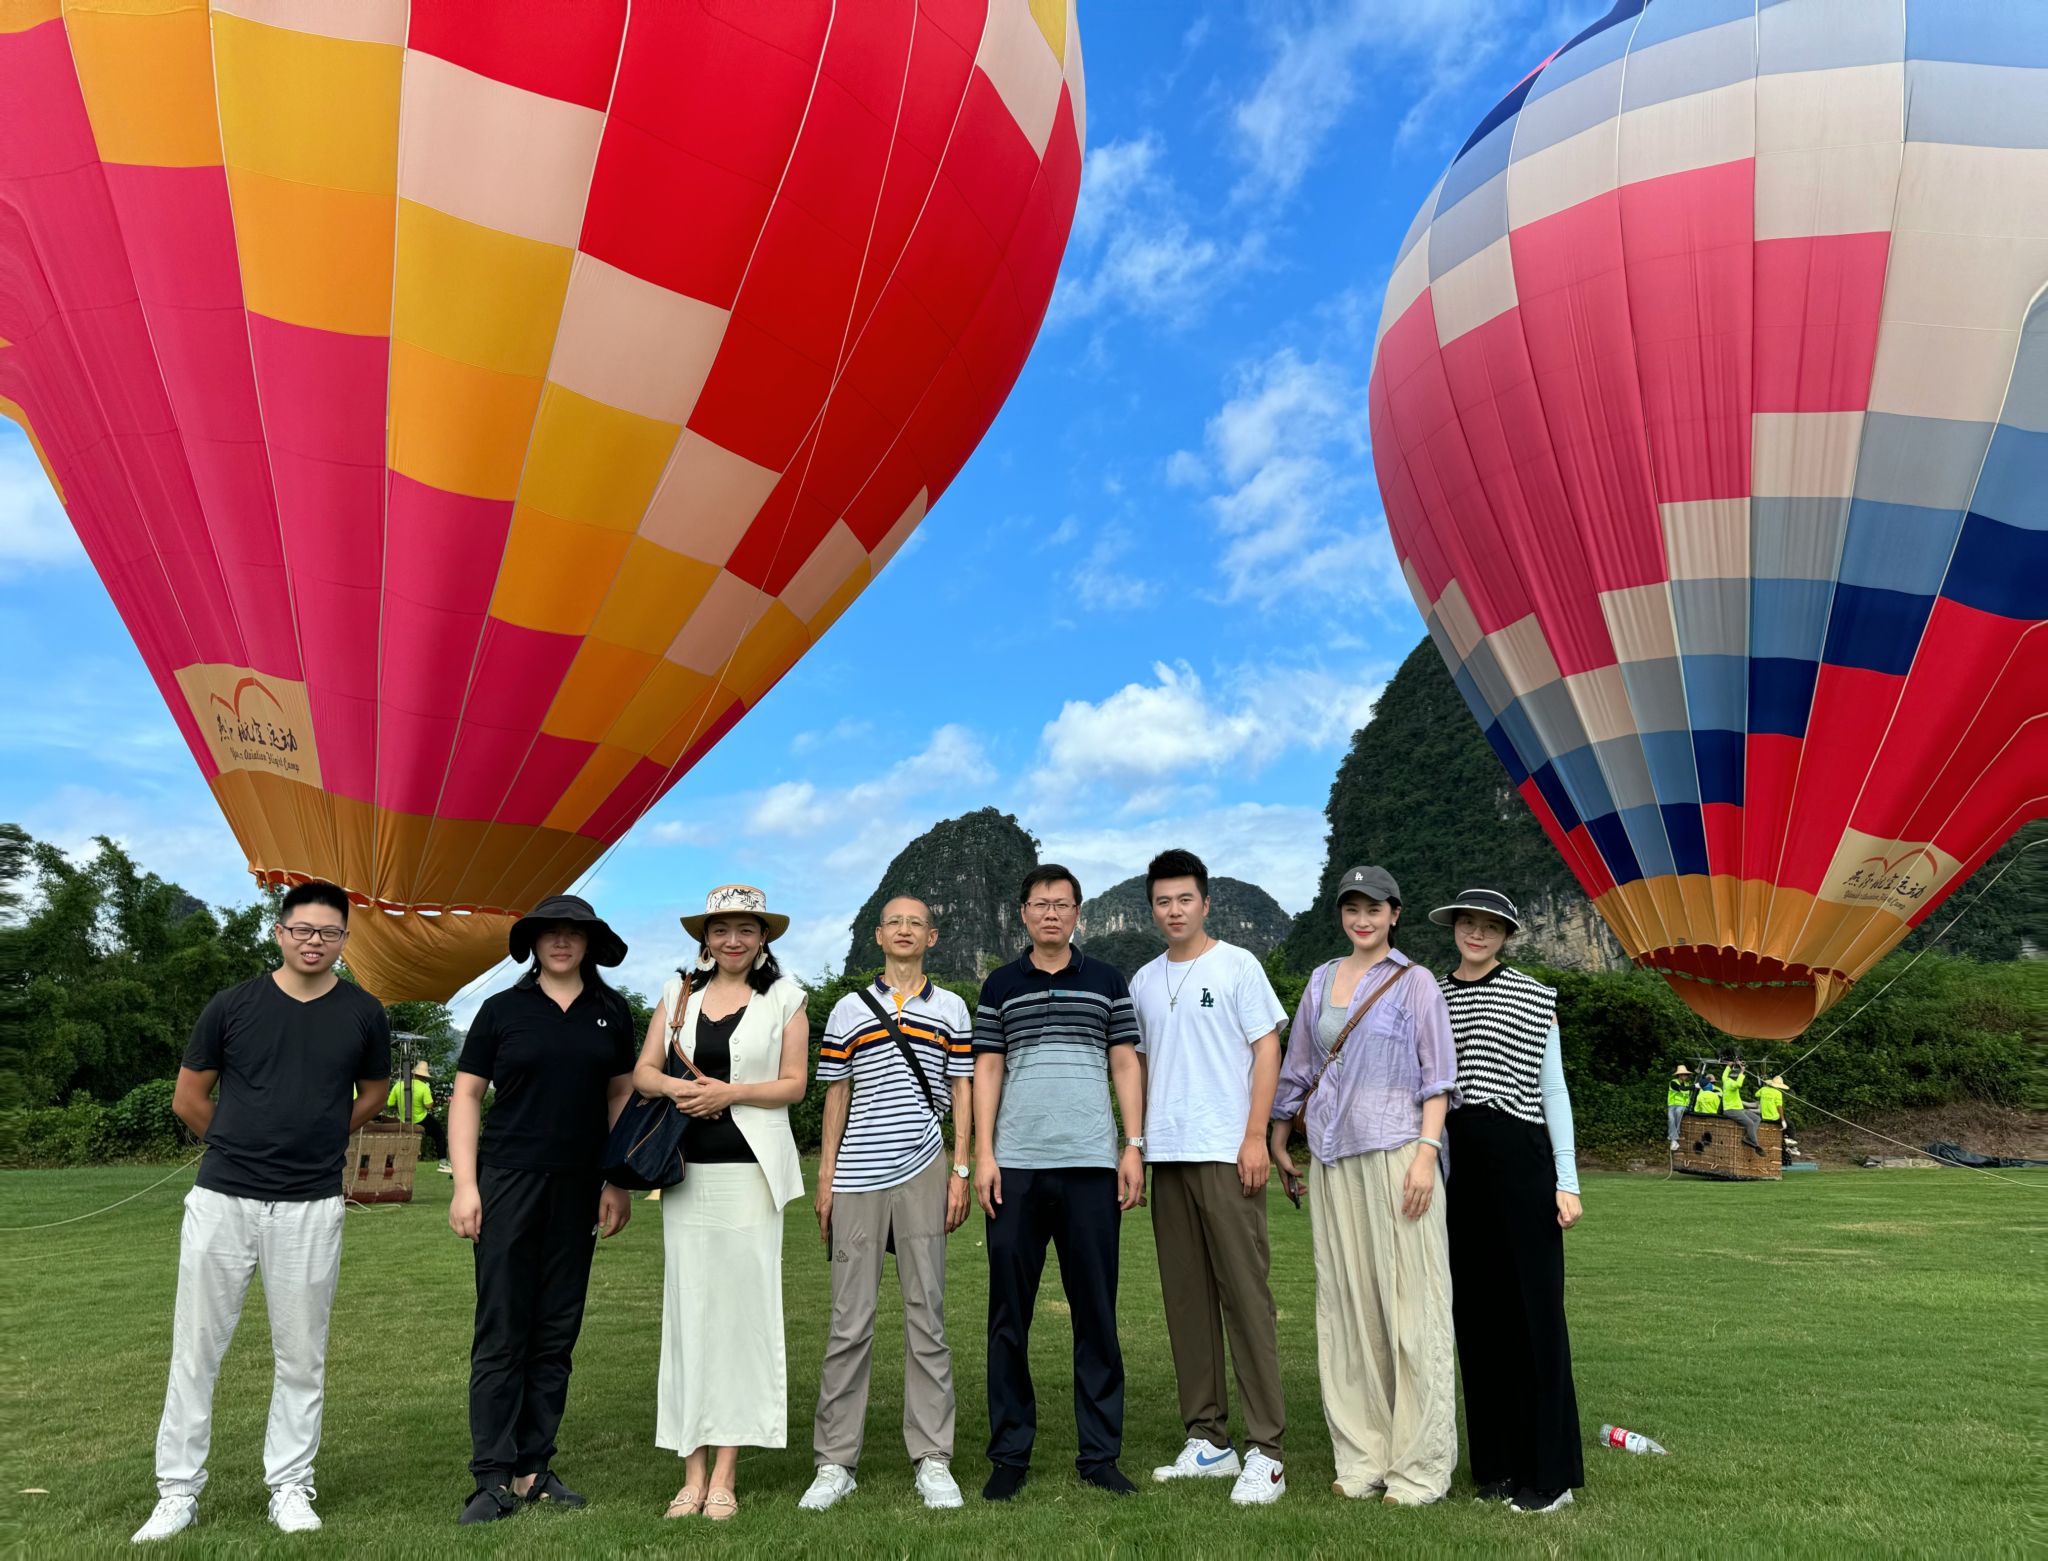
[1150, 611]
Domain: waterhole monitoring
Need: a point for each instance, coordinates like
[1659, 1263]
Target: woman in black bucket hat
[1515, 1194]
[557, 1047]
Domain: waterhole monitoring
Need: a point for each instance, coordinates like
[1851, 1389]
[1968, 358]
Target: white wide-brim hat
[737, 899]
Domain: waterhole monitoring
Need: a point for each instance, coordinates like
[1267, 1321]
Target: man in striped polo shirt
[895, 1055]
[1047, 1169]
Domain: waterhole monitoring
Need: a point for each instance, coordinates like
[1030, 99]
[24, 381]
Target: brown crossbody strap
[1349, 1025]
[675, 1030]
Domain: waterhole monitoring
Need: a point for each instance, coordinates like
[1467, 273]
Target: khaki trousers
[1384, 1343]
[862, 1223]
[1213, 1260]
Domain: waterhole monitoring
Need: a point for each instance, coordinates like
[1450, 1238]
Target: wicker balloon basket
[1715, 1147]
[381, 1160]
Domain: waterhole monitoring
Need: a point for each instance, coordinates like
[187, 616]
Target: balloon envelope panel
[474, 411]
[1710, 412]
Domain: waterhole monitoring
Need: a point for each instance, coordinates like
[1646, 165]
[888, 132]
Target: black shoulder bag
[645, 1149]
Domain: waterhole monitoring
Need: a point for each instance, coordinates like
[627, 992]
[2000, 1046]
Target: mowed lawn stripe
[1842, 1365]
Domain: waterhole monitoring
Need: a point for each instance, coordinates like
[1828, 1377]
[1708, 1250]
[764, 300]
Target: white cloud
[1294, 500]
[176, 832]
[1136, 249]
[1185, 469]
[1097, 581]
[1153, 741]
[1430, 49]
[1276, 847]
[952, 756]
[35, 533]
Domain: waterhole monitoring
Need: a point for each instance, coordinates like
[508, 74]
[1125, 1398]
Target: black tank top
[715, 1140]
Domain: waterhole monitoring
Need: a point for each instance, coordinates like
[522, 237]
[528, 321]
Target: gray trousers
[862, 1223]
[1750, 1122]
[1672, 1116]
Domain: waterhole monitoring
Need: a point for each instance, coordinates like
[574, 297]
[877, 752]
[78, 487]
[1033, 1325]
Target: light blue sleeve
[1557, 1114]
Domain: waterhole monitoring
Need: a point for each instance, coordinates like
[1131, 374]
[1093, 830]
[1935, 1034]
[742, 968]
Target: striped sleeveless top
[1501, 1023]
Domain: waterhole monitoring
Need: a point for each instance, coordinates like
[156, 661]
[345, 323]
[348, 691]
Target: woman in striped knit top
[1515, 1194]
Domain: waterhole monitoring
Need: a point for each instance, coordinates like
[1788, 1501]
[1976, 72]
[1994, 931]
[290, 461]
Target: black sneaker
[487, 1504]
[1108, 1477]
[550, 1489]
[1495, 1490]
[1528, 1500]
[1004, 1481]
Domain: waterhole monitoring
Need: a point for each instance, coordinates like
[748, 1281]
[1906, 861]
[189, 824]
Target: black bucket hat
[606, 946]
[1487, 902]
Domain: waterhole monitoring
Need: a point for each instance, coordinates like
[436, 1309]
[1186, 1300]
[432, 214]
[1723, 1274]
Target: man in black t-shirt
[285, 1051]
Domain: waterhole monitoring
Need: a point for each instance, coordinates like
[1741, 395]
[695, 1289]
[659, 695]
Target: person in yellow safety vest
[1706, 1100]
[1732, 1077]
[433, 1136]
[1770, 1105]
[1677, 1096]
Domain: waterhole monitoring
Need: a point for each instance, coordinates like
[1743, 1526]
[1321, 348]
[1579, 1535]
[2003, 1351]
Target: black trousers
[1507, 1302]
[1076, 1211]
[532, 1273]
[433, 1138]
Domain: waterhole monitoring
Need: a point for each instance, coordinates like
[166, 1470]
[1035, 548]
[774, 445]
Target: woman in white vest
[743, 1027]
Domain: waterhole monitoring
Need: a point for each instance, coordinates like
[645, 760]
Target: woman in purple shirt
[1368, 1075]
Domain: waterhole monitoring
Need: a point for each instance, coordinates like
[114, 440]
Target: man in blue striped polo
[1053, 1028]
[895, 1057]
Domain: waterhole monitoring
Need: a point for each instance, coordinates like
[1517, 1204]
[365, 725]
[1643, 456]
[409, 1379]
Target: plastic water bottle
[1629, 1441]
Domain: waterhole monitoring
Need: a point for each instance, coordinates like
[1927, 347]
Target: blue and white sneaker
[1199, 1460]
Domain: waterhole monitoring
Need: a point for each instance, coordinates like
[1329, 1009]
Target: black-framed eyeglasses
[302, 932]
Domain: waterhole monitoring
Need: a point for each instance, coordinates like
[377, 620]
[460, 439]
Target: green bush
[138, 1126]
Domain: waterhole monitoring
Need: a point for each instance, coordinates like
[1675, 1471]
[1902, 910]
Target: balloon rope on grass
[18, 1230]
[1880, 992]
[1947, 1165]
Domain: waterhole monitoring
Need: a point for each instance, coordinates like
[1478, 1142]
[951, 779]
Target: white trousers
[297, 1248]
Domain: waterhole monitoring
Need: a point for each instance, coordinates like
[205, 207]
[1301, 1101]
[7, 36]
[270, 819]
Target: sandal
[688, 1503]
[721, 1505]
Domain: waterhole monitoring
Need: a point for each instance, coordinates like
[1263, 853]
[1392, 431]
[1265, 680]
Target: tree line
[104, 966]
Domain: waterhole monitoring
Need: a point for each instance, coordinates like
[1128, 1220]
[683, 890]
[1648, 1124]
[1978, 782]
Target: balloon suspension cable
[1945, 931]
[1880, 992]
[18, 1230]
[1920, 1149]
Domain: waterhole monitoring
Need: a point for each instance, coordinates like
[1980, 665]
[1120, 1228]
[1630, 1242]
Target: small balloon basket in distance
[1715, 1147]
[382, 1156]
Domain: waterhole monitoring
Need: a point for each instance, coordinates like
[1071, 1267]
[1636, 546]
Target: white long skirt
[724, 1380]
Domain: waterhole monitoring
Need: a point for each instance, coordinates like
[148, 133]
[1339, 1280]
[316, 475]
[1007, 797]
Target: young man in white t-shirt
[1210, 1024]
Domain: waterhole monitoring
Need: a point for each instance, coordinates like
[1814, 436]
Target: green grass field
[1845, 1364]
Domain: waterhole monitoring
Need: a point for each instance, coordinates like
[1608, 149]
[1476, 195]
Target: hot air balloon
[1710, 412]
[473, 410]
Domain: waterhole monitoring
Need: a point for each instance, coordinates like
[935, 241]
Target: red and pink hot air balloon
[473, 410]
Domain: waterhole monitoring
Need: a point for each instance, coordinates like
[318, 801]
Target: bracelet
[1435, 1143]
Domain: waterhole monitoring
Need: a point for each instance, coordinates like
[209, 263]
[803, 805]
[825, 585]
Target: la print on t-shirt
[1198, 1019]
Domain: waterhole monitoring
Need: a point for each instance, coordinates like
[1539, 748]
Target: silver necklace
[1173, 992]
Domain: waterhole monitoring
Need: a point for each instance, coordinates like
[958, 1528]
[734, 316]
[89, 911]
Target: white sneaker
[173, 1514]
[1199, 1460]
[935, 1483]
[831, 1483]
[1262, 1482]
[291, 1509]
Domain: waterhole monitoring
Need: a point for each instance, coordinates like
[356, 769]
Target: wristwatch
[1137, 1143]
[963, 1172]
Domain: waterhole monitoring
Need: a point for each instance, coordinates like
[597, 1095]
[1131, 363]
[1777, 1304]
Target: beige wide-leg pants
[1384, 1343]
